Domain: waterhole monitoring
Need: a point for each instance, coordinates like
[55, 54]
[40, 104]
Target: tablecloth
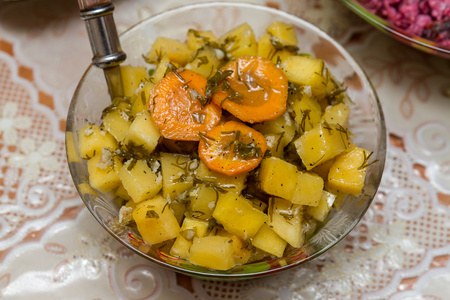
[52, 248]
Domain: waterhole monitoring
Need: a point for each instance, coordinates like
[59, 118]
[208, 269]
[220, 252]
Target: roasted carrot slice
[255, 91]
[175, 103]
[232, 148]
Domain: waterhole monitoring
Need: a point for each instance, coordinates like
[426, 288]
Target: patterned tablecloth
[52, 248]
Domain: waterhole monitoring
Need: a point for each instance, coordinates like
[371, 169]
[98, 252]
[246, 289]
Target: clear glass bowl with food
[424, 25]
[248, 142]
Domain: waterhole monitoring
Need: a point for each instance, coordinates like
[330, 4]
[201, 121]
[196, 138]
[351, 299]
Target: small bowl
[366, 122]
[399, 34]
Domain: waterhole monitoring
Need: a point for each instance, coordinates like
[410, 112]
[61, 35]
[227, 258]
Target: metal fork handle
[103, 35]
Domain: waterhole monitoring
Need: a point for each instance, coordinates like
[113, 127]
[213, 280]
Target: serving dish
[399, 34]
[366, 123]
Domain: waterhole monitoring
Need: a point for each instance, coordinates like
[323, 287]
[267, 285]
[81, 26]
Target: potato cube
[242, 250]
[203, 201]
[238, 216]
[308, 190]
[181, 247]
[132, 76]
[117, 122]
[175, 50]
[91, 140]
[143, 135]
[196, 39]
[239, 41]
[320, 212]
[140, 100]
[265, 47]
[194, 228]
[233, 184]
[323, 169]
[214, 252]
[337, 114]
[283, 33]
[104, 170]
[307, 113]
[349, 170]
[204, 62]
[139, 180]
[176, 175]
[278, 133]
[122, 193]
[309, 71]
[323, 142]
[278, 177]
[155, 221]
[267, 240]
[285, 219]
[340, 196]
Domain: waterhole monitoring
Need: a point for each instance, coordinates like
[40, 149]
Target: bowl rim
[399, 34]
[347, 56]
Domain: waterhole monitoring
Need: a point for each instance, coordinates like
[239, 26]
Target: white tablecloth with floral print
[52, 248]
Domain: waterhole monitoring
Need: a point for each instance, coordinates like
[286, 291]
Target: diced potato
[85, 188]
[155, 221]
[233, 184]
[242, 250]
[194, 228]
[308, 190]
[320, 212]
[278, 177]
[340, 196]
[140, 100]
[203, 201]
[285, 219]
[117, 122]
[175, 50]
[71, 149]
[181, 247]
[175, 170]
[104, 170]
[307, 70]
[132, 76]
[283, 33]
[323, 169]
[161, 69]
[121, 192]
[215, 252]
[179, 209]
[204, 62]
[139, 181]
[91, 140]
[307, 113]
[265, 47]
[197, 39]
[238, 216]
[349, 170]
[267, 240]
[143, 135]
[278, 133]
[239, 41]
[323, 142]
[337, 114]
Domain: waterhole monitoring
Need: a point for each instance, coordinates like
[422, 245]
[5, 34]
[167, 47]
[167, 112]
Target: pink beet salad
[429, 19]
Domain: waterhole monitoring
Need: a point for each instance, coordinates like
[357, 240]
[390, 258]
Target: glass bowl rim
[285, 15]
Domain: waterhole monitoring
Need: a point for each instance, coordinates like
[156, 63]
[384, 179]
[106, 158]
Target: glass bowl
[383, 25]
[366, 122]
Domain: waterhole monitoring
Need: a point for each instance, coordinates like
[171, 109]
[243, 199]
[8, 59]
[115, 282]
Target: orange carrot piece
[256, 91]
[176, 109]
[232, 148]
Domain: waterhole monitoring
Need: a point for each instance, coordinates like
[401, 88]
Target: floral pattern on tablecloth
[51, 245]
